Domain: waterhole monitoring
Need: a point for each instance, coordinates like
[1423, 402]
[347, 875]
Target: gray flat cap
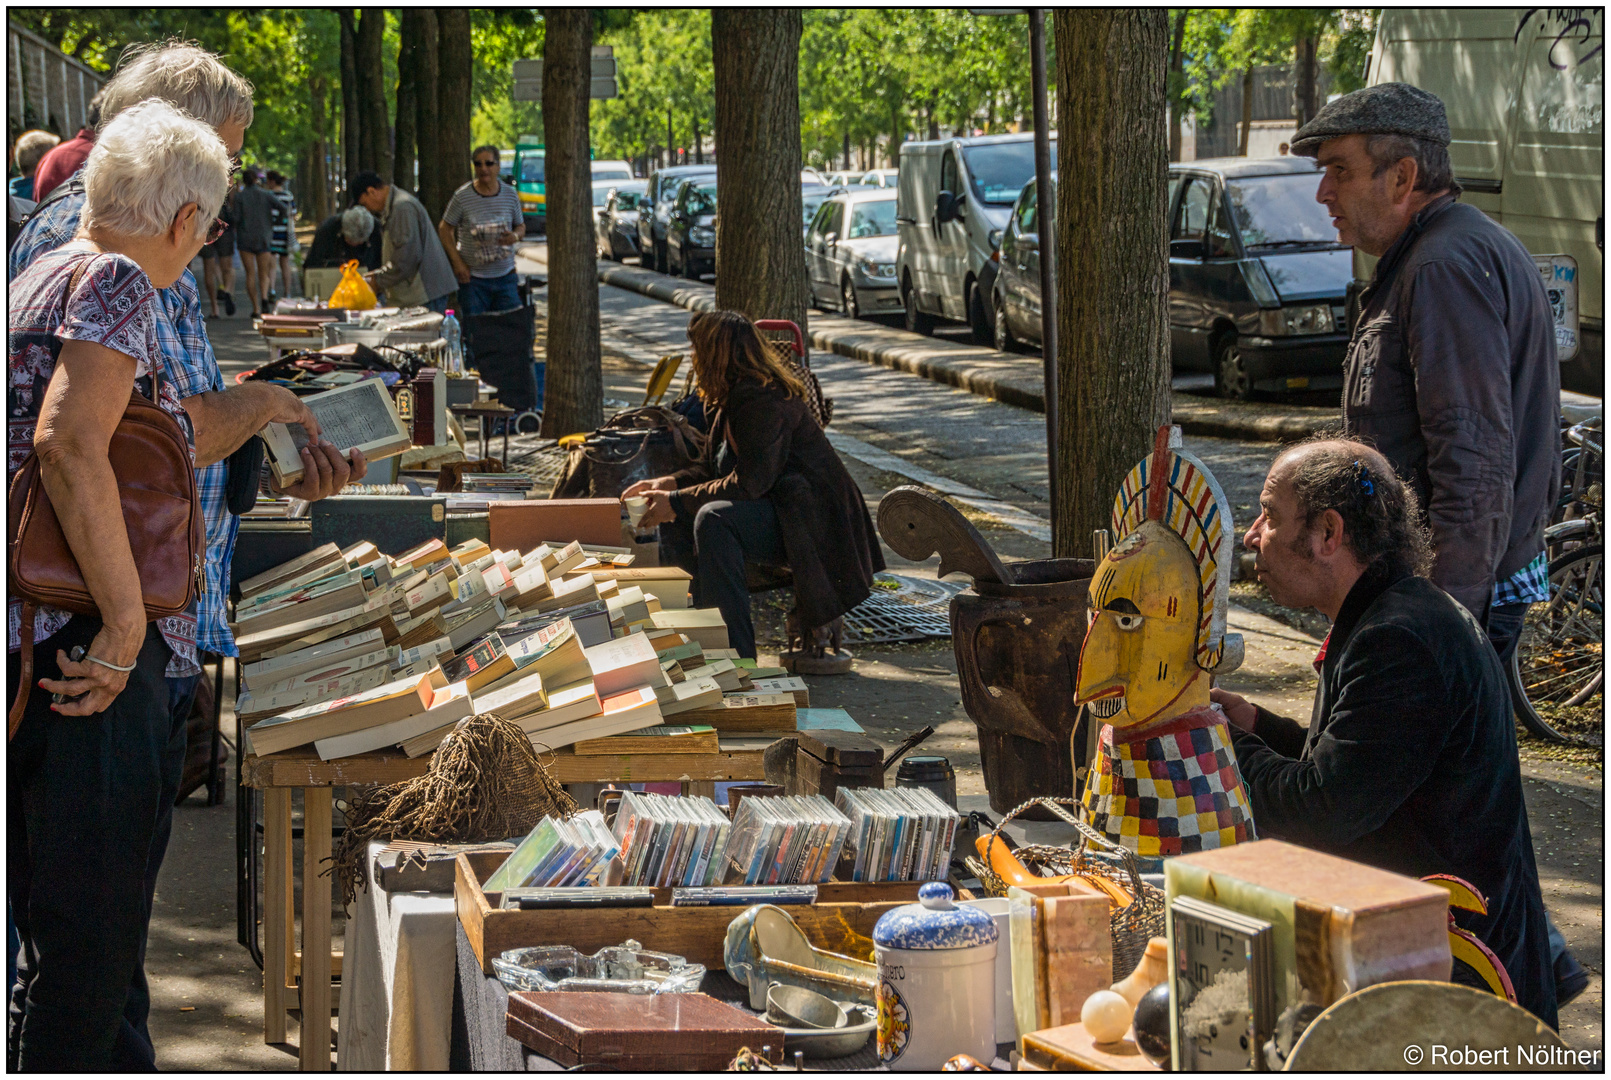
[1387, 109]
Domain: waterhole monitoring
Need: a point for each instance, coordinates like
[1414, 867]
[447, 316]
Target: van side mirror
[945, 208]
[1185, 249]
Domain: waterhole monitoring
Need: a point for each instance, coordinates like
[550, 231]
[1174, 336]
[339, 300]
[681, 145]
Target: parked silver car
[850, 253]
[615, 224]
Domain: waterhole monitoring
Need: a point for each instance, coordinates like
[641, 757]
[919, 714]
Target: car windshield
[702, 199]
[872, 219]
[627, 200]
[809, 201]
[1276, 210]
[999, 171]
[601, 195]
[531, 169]
[611, 174]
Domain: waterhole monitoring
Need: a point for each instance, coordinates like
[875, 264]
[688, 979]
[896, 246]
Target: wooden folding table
[278, 775]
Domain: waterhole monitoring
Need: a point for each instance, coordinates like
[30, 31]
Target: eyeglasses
[217, 229]
[486, 164]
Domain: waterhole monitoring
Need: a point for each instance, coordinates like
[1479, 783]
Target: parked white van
[1525, 93]
[953, 199]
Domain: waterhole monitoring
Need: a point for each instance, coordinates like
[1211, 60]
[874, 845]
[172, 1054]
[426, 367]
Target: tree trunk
[574, 392]
[1247, 111]
[1306, 84]
[896, 130]
[671, 141]
[426, 128]
[374, 151]
[1112, 259]
[408, 44]
[351, 124]
[699, 146]
[453, 103]
[318, 189]
[759, 268]
[1177, 86]
[934, 123]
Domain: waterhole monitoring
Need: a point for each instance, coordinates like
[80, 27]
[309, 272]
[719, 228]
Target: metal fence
[45, 88]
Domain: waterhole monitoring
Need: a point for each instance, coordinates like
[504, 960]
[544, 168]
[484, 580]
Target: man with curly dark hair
[1409, 760]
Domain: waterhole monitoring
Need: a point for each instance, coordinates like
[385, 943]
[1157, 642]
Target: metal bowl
[827, 1043]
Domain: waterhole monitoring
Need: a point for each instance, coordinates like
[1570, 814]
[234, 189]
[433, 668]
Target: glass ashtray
[616, 969]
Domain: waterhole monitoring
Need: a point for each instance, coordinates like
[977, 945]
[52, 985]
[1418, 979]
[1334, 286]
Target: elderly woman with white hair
[85, 776]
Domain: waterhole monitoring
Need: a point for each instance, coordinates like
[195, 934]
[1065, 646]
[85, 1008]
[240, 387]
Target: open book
[359, 415]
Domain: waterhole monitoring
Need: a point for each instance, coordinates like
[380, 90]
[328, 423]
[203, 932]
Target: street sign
[528, 76]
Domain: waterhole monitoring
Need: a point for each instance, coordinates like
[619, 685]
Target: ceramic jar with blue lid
[936, 982]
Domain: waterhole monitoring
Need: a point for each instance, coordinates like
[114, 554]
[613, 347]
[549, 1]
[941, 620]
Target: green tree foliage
[662, 62]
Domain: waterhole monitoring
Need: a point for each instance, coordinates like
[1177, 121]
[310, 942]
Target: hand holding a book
[325, 471]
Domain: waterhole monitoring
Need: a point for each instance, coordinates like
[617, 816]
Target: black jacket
[778, 452]
[1409, 764]
[1452, 375]
[329, 251]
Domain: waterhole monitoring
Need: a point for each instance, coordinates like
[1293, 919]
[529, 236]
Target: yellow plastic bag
[352, 291]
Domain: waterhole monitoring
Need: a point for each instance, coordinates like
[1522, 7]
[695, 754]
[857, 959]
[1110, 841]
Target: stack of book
[576, 851]
[785, 840]
[354, 650]
[902, 834]
[671, 841]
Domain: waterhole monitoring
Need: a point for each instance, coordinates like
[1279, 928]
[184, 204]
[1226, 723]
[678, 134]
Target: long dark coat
[777, 451]
[1409, 764]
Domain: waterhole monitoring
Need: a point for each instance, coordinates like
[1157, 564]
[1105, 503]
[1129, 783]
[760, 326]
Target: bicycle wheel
[1559, 663]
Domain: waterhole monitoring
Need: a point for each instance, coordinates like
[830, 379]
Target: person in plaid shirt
[222, 419]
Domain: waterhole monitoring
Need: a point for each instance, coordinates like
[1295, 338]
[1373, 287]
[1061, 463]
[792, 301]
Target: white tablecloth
[397, 981]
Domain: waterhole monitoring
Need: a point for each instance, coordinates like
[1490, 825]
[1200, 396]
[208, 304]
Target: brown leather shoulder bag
[156, 481]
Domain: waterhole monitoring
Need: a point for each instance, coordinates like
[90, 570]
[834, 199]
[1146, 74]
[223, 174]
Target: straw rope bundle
[484, 783]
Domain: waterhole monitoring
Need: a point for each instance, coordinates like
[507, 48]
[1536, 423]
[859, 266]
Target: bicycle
[1559, 663]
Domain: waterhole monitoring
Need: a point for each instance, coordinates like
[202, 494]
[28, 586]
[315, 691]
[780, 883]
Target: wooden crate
[840, 921]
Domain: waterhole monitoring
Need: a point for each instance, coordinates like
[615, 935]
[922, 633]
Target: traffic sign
[528, 76]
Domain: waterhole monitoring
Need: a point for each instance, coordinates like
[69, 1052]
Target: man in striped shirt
[479, 229]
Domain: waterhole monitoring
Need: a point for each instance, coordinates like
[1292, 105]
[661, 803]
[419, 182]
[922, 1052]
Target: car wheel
[917, 322]
[1231, 379]
[673, 261]
[847, 297]
[1003, 338]
[978, 321]
[662, 257]
[689, 268]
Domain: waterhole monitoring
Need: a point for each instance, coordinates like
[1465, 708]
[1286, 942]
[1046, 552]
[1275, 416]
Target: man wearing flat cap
[1451, 371]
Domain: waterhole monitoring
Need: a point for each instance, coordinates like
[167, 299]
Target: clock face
[1215, 1008]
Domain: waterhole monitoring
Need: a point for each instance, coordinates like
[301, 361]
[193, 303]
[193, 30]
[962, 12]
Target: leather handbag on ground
[639, 444]
[156, 481]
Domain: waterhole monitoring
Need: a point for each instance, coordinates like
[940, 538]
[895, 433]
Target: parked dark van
[1257, 280]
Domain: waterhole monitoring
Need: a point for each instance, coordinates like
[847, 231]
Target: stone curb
[1012, 380]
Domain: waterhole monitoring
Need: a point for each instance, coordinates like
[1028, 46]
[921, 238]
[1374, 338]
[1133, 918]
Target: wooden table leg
[278, 911]
[315, 1050]
[696, 788]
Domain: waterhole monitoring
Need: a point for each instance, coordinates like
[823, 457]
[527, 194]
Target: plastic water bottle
[455, 343]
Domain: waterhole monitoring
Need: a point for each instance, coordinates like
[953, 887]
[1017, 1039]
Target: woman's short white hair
[357, 224]
[147, 163]
[181, 73]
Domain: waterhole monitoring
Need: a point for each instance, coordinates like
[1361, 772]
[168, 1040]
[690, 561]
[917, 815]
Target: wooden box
[621, 1031]
[828, 760]
[840, 921]
[1062, 951]
[520, 525]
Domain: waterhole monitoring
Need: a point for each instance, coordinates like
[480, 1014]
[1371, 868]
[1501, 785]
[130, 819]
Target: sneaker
[1571, 978]
[228, 302]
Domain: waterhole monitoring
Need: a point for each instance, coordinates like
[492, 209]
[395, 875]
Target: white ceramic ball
[1106, 1016]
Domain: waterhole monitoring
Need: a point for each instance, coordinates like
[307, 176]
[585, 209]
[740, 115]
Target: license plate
[1300, 382]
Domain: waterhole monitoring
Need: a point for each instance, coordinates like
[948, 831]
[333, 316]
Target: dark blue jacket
[1409, 764]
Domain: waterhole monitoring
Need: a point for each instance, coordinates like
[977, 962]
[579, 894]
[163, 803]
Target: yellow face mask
[1139, 665]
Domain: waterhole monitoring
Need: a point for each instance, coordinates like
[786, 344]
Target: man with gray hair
[1451, 372]
[223, 419]
[1408, 762]
[32, 146]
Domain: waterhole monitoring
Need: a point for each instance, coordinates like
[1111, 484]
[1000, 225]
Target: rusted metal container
[1018, 647]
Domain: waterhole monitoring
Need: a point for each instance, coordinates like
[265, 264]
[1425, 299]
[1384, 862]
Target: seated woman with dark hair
[769, 489]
